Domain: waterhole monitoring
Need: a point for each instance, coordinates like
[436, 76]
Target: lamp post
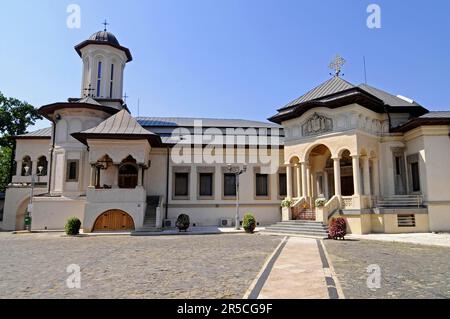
[30, 205]
[237, 172]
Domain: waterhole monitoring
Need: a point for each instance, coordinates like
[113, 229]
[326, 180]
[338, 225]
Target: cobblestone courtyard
[407, 270]
[212, 266]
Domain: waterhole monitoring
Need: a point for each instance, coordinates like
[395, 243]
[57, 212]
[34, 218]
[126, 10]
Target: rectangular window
[182, 184]
[72, 171]
[229, 184]
[111, 83]
[415, 175]
[397, 165]
[262, 185]
[206, 184]
[282, 182]
[99, 78]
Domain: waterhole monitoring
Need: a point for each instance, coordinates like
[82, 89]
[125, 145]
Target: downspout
[51, 158]
[167, 183]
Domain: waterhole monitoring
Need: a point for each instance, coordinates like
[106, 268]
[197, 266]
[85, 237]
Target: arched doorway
[114, 220]
[128, 173]
[347, 186]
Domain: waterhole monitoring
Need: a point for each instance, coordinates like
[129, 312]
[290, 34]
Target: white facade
[380, 170]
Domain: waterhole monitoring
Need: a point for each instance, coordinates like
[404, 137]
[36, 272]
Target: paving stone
[407, 270]
[210, 266]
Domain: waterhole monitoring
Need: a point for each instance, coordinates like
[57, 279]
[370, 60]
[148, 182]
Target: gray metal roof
[332, 86]
[206, 122]
[120, 123]
[436, 115]
[44, 133]
[387, 98]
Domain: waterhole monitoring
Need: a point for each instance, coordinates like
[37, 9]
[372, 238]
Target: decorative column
[299, 182]
[308, 181]
[376, 177]
[356, 175]
[304, 180]
[289, 180]
[115, 183]
[366, 172]
[92, 179]
[337, 176]
[139, 183]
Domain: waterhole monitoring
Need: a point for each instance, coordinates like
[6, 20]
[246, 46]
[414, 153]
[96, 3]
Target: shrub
[287, 203]
[183, 222]
[73, 226]
[320, 202]
[338, 228]
[249, 223]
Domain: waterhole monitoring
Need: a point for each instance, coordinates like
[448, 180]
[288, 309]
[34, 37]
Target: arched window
[42, 165]
[99, 78]
[128, 173]
[14, 168]
[111, 82]
[27, 166]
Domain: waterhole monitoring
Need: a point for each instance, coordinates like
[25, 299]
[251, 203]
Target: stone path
[298, 272]
[181, 267]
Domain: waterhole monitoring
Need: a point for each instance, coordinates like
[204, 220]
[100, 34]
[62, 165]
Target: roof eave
[85, 43]
[153, 139]
[47, 110]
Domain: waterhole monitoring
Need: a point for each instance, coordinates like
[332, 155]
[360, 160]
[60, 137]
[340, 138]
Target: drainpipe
[167, 182]
[51, 158]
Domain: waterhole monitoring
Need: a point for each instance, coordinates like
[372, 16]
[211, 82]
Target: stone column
[376, 177]
[92, 179]
[366, 177]
[337, 176]
[139, 183]
[115, 183]
[289, 180]
[299, 182]
[304, 180]
[308, 181]
[356, 175]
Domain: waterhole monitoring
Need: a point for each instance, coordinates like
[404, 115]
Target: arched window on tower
[42, 165]
[99, 78]
[27, 166]
[111, 82]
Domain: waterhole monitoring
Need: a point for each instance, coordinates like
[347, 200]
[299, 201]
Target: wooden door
[114, 220]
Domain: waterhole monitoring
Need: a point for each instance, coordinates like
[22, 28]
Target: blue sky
[228, 58]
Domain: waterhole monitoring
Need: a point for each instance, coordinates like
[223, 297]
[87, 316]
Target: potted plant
[249, 223]
[183, 222]
[287, 203]
[320, 202]
[73, 226]
[337, 228]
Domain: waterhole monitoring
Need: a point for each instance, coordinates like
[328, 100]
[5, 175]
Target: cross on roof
[125, 97]
[89, 90]
[337, 64]
[105, 23]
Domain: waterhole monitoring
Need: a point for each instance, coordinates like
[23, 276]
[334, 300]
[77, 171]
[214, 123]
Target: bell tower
[104, 61]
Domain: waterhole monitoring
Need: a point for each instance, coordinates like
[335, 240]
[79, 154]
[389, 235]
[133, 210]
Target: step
[292, 231]
[301, 223]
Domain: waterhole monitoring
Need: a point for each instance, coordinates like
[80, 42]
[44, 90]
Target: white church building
[378, 160]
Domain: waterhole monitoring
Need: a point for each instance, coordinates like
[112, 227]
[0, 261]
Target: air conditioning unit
[225, 222]
[169, 223]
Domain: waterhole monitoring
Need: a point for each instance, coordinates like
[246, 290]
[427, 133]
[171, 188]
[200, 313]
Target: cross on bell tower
[105, 23]
[337, 65]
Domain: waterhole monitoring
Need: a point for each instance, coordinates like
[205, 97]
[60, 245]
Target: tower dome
[105, 37]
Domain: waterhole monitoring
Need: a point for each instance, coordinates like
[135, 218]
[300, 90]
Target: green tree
[15, 117]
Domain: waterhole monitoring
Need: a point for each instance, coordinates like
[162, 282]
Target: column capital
[306, 163]
[336, 159]
[355, 156]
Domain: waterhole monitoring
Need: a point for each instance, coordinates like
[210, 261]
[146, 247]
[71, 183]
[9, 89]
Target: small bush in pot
[320, 202]
[287, 203]
[338, 228]
[73, 226]
[249, 223]
[183, 222]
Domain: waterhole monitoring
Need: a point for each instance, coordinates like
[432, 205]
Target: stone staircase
[399, 201]
[150, 215]
[304, 228]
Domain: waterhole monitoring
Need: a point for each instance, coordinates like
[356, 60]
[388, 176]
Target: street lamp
[237, 172]
[30, 205]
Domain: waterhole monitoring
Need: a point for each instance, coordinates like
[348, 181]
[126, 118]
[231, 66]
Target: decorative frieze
[317, 124]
